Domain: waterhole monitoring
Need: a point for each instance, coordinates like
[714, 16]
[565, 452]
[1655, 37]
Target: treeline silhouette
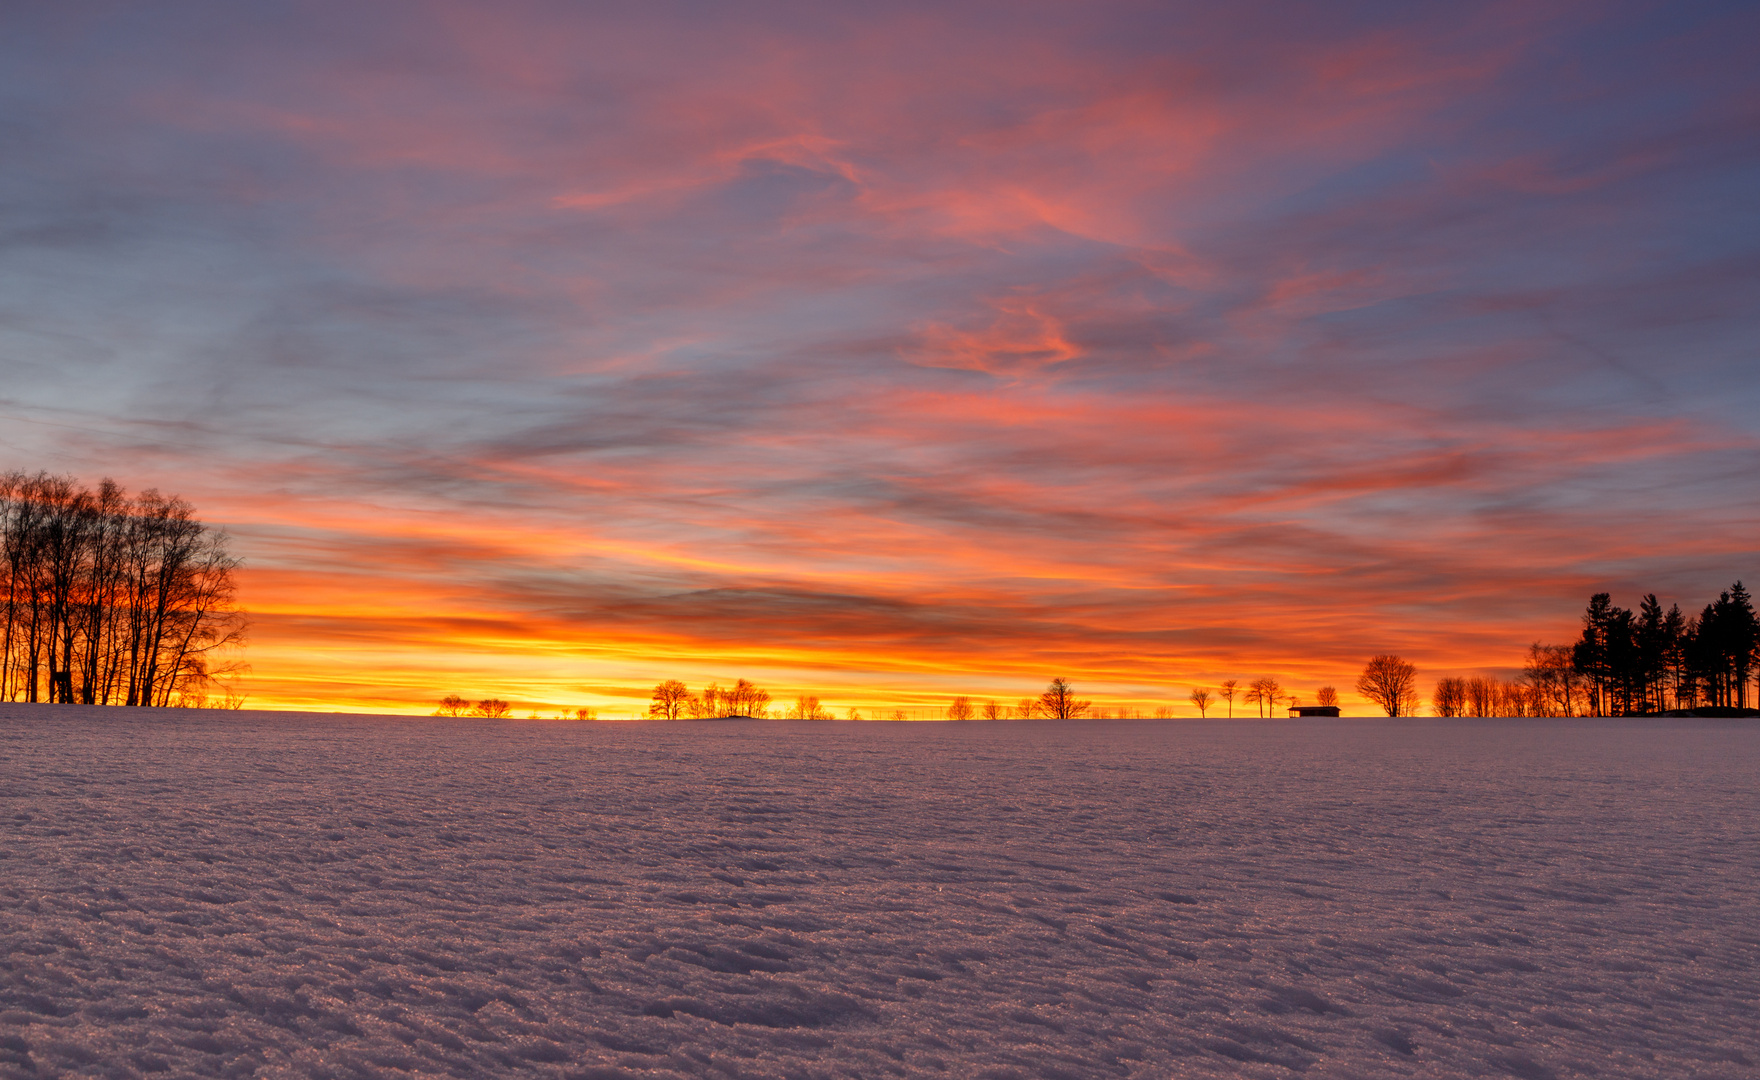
[673, 701]
[496, 709]
[1625, 663]
[111, 599]
[1648, 661]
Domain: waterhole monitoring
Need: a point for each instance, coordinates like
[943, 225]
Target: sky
[893, 351]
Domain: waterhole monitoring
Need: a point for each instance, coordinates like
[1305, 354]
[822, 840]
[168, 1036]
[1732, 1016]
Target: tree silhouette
[1266, 693]
[1644, 662]
[1201, 698]
[1228, 690]
[1327, 696]
[1450, 697]
[452, 705]
[1592, 656]
[1058, 702]
[704, 706]
[995, 711]
[807, 707]
[1481, 696]
[110, 599]
[960, 709]
[1391, 683]
[1677, 637]
[670, 699]
[492, 708]
[1551, 678]
[745, 699]
[1743, 638]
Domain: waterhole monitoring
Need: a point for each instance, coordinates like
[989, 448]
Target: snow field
[252, 894]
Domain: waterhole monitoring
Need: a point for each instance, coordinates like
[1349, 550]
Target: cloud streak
[910, 351]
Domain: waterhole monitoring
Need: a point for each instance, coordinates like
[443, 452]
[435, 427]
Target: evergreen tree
[1741, 637]
[1675, 633]
[1589, 656]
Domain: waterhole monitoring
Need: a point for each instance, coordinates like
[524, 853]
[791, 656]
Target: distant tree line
[110, 599]
[673, 700]
[496, 709]
[1650, 661]
[1058, 701]
[1624, 663]
[1628, 663]
[1265, 694]
[1530, 695]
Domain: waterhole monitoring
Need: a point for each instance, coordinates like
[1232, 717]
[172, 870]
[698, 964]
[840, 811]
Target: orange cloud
[546, 351]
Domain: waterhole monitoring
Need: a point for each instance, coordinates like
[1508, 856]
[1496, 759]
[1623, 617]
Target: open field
[237, 894]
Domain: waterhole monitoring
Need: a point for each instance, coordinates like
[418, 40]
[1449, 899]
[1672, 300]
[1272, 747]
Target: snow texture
[238, 894]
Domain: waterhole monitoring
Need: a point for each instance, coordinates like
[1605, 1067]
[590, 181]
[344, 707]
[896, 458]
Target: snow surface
[236, 894]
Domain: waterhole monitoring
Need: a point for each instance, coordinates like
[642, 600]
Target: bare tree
[109, 599]
[586, 714]
[1327, 696]
[1518, 699]
[1481, 697]
[452, 705]
[1229, 688]
[704, 706]
[1201, 698]
[669, 701]
[1058, 702]
[1026, 709]
[994, 711]
[745, 699]
[1265, 692]
[1450, 697]
[807, 707]
[1552, 676]
[960, 709]
[1391, 683]
[492, 708]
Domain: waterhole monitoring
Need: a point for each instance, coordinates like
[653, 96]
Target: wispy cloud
[550, 351]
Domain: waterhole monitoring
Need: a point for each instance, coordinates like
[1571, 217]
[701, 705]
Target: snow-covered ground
[232, 894]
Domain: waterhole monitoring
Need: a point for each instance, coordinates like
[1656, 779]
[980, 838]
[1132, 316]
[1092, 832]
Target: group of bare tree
[673, 700]
[490, 708]
[111, 599]
[1548, 686]
[1265, 694]
[496, 709]
[1057, 702]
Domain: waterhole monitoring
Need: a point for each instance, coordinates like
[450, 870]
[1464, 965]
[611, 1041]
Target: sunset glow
[892, 352]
